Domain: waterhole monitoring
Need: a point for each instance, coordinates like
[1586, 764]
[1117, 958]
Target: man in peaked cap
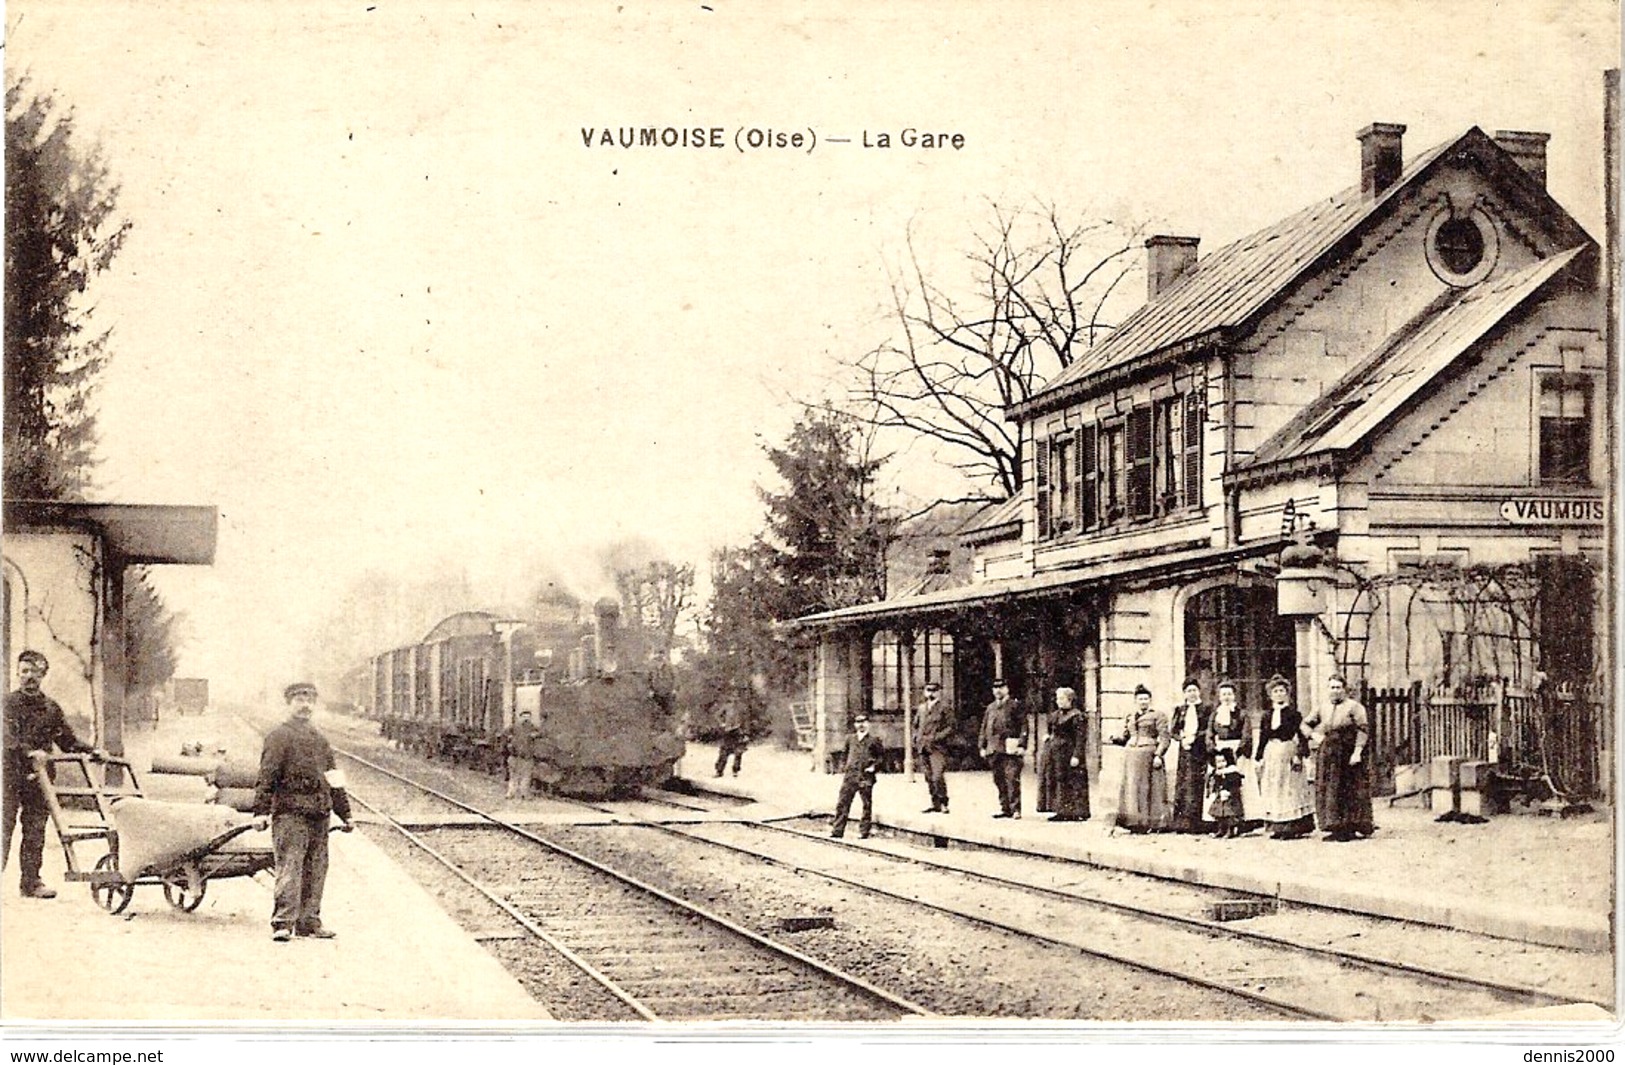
[299, 787]
[1004, 745]
[933, 733]
[34, 722]
[864, 753]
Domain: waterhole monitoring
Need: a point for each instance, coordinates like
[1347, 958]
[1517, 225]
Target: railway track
[1282, 976]
[657, 956]
[1305, 980]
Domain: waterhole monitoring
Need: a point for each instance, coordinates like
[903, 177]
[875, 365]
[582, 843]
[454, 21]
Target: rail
[708, 916]
[1217, 929]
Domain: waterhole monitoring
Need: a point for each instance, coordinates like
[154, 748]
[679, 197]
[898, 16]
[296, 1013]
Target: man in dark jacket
[933, 732]
[34, 722]
[522, 757]
[732, 719]
[863, 755]
[299, 787]
[1004, 745]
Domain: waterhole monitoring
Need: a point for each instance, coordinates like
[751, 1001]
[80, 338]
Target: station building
[64, 565]
[1369, 438]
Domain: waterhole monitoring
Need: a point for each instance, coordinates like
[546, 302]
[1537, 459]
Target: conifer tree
[62, 230]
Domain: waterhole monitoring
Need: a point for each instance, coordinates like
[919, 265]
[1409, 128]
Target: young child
[1226, 800]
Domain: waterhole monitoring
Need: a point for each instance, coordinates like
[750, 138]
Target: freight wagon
[604, 711]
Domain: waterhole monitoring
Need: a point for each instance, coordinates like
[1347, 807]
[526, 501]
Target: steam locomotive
[603, 705]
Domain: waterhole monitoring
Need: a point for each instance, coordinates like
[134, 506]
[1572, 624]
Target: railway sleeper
[689, 967]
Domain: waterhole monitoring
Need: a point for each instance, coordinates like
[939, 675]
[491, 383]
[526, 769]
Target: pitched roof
[993, 523]
[1226, 288]
[1369, 394]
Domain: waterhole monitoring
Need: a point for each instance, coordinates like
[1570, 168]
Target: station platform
[398, 959]
[1518, 876]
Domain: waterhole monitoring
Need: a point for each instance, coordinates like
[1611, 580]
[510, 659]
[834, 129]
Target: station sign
[1553, 510]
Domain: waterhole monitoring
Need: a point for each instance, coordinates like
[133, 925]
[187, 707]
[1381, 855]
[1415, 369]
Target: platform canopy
[139, 533]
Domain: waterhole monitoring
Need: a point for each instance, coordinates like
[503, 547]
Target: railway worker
[34, 722]
[299, 787]
[521, 756]
[733, 720]
[1004, 745]
[933, 732]
[863, 754]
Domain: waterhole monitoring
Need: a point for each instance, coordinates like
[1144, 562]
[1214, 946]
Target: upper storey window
[1565, 429]
[1144, 464]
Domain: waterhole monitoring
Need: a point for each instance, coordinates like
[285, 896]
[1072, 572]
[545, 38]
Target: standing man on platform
[1004, 745]
[733, 722]
[863, 755]
[299, 787]
[521, 756]
[34, 722]
[933, 731]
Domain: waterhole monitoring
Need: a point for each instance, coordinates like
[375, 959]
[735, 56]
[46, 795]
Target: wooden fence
[1558, 731]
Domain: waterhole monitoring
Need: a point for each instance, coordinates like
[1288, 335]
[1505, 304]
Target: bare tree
[655, 596]
[1038, 296]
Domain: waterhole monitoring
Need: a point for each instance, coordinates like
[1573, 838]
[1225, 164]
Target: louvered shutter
[1088, 478]
[1194, 417]
[1139, 462]
[1041, 486]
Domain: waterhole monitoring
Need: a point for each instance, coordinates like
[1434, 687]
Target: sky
[384, 308]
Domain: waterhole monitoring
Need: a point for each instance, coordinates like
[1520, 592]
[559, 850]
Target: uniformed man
[299, 787]
[521, 756]
[1004, 745]
[933, 732]
[863, 755]
[34, 722]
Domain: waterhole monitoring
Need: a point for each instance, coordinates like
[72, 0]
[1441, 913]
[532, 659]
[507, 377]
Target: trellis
[1492, 700]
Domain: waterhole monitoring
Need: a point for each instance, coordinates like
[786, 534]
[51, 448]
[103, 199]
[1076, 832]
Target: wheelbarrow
[179, 846]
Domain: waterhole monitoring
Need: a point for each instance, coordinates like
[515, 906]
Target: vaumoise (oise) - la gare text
[757, 137]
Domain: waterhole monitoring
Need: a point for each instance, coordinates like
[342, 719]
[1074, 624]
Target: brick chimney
[1166, 260]
[1528, 150]
[1381, 158]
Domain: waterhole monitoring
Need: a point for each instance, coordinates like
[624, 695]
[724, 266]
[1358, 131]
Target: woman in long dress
[1289, 807]
[1342, 775]
[1066, 760]
[1230, 734]
[1142, 802]
[1190, 775]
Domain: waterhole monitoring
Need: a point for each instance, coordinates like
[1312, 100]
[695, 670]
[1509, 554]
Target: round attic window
[1462, 248]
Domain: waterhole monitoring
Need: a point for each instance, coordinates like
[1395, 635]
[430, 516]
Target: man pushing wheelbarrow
[299, 787]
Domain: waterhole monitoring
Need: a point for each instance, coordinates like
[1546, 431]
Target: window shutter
[1139, 462]
[1041, 486]
[1194, 417]
[1088, 475]
[1168, 455]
